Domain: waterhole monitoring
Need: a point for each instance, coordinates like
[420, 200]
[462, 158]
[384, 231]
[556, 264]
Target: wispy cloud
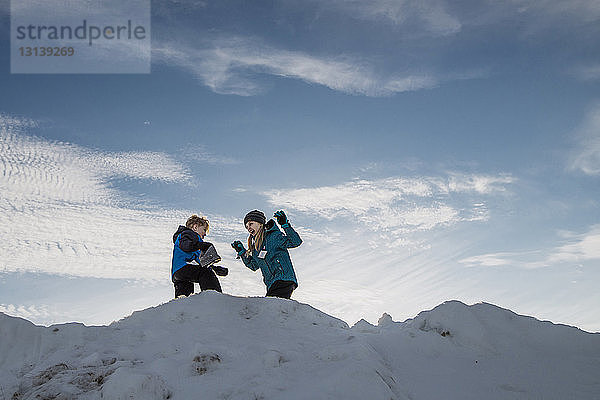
[581, 247]
[204, 155]
[501, 259]
[138, 165]
[584, 10]
[587, 72]
[586, 156]
[443, 17]
[13, 123]
[431, 16]
[399, 205]
[434, 18]
[65, 171]
[575, 248]
[482, 184]
[230, 66]
[31, 312]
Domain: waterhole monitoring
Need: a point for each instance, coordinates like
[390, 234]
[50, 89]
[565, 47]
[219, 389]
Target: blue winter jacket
[186, 248]
[276, 264]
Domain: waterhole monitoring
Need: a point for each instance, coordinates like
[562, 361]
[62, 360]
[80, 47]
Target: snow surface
[216, 346]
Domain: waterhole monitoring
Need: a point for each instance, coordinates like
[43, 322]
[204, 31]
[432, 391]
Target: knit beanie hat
[255, 215]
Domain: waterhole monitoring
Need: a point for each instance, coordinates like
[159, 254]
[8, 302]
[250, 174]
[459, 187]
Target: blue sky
[425, 150]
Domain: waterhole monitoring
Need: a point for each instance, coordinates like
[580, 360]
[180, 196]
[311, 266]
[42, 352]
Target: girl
[268, 250]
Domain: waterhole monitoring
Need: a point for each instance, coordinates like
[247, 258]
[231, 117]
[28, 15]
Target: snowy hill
[214, 346]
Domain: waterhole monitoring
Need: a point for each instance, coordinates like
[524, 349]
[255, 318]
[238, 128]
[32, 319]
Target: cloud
[529, 18]
[202, 154]
[582, 247]
[587, 73]
[398, 205]
[497, 259]
[13, 123]
[137, 165]
[443, 18]
[586, 155]
[578, 248]
[431, 16]
[64, 171]
[31, 312]
[230, 66]
[419, 19]
[583, 10]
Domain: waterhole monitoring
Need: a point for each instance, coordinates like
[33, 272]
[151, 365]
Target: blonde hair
[196, 220]
[256, 242]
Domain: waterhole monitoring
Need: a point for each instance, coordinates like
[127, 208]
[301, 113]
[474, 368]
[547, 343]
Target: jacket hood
[179, 230]
[270, 226]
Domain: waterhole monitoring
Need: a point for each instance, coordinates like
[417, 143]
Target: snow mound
[215, 346]
[496, 330]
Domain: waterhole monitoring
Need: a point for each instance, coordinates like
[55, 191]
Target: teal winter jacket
[276, 264]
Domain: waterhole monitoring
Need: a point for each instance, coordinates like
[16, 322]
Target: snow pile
[215, 346]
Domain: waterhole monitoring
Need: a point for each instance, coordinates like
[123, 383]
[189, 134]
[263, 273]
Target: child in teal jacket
[268, 251]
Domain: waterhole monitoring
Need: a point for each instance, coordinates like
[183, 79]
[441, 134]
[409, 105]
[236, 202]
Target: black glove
[221, 271]
[281, 217]
[238, 247]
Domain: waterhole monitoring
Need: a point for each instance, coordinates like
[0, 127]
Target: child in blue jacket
[188, 247]
[268, 251]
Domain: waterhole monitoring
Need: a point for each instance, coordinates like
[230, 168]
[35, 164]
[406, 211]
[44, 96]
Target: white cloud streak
[202, 154]
[431, 16]
[137, 165]
[31, 312]
[228, 66]
[499, 259]
[583, 10]
[579, 248]
[586, 156]
[64, 171]
[398, 205]
[587, 73]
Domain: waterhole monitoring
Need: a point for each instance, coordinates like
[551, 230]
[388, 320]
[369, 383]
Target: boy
[188, 249]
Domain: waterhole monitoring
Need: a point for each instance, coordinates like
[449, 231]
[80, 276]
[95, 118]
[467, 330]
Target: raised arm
[291, 238]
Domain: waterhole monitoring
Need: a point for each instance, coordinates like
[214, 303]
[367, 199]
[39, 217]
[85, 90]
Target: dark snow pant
[281, 289]
[184, 279]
